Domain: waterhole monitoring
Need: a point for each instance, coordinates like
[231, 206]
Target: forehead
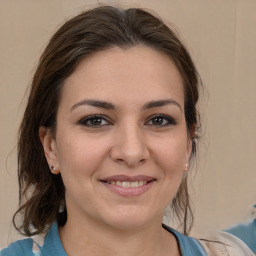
[127, 74]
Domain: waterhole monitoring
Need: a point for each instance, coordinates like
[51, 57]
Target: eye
[94, 121]
[161, 120]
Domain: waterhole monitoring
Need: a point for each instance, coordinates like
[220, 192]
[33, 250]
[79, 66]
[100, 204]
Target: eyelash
[163, 118]
[169, 120]
[84, 121]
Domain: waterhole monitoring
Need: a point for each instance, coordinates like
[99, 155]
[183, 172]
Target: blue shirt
[52, 245]
[246, 232]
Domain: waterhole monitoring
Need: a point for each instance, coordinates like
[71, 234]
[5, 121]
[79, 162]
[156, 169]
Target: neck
[92, 238]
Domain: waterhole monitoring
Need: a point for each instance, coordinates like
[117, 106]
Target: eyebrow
[108, 105]
[94, 103]
[161, 103]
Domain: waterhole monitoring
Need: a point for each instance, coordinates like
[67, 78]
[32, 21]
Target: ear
[188, 153]
[191, 133]
[50, 149]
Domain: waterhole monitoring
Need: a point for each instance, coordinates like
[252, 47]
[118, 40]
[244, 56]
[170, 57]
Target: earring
[53, 170]
[186, 167]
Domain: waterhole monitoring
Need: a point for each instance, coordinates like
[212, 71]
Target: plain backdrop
[221, 37]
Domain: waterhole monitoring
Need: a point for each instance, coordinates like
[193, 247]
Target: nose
[130, 147]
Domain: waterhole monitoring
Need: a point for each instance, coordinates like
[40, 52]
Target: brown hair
[41, 194]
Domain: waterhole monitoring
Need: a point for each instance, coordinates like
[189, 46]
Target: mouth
[128, 186]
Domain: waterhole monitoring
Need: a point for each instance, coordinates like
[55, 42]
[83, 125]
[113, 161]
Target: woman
[107, 139]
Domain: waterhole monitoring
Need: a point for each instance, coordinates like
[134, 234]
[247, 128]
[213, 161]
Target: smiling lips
[128, 186]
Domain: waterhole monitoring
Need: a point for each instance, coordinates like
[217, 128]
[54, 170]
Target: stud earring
[186, 167]
[53, 170]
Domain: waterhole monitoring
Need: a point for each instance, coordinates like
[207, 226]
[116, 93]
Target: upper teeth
[128, 184]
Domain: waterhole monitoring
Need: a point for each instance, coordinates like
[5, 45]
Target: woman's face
[121, 140]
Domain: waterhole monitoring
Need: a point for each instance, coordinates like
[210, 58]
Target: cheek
[80, 160]
[170, 157]
[80, 155]
[171, 154]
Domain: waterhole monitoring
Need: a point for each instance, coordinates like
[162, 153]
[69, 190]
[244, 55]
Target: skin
[127, 140]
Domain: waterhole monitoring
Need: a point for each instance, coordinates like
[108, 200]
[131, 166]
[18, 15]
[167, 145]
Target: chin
[129, 220]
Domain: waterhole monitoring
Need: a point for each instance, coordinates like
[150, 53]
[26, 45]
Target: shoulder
[20, 247]
[224, 243]
[246, 232]
[241, 229]
[188, 245]
[26, 247]
[43, 244]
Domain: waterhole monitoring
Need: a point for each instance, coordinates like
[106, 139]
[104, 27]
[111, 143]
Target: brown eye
[158, 121]
[94, 121]
[161, 120]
